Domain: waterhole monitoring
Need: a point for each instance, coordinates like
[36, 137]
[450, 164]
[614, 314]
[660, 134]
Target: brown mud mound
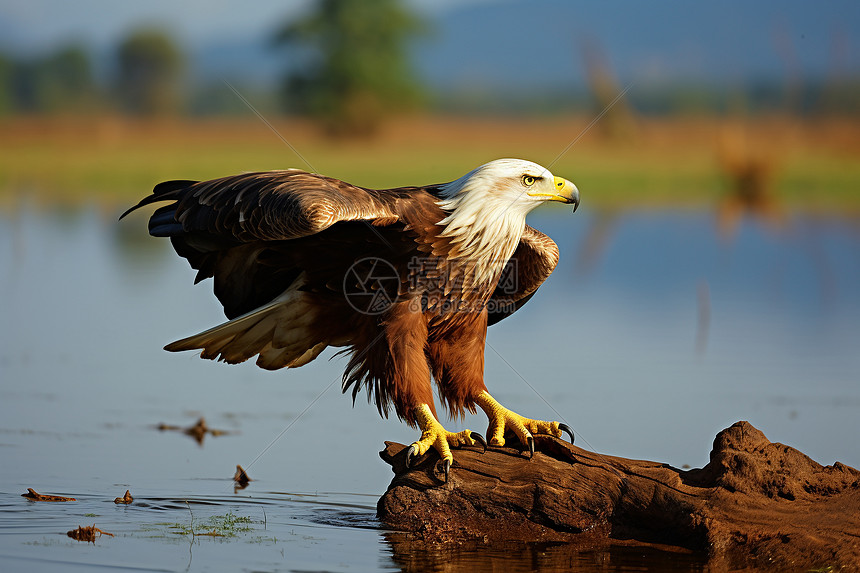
[755, 504]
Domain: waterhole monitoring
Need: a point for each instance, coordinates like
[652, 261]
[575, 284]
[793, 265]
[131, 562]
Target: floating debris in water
[87, 533]
[36, 496]
[241, 478]
[198, 431]
[126, 499]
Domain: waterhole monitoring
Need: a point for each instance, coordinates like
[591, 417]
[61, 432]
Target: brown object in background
[241, 478]
[87, 533]
[36, 496]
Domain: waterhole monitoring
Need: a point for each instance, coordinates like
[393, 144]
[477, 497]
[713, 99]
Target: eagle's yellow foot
[433, 434]
[502, 419]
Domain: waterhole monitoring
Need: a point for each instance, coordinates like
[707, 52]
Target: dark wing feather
[271, 205]
[244, 230]
[162, 192]
[531, 264]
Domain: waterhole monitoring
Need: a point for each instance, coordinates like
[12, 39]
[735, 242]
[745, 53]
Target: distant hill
[533, 50]
[538, 43]
[530, 54]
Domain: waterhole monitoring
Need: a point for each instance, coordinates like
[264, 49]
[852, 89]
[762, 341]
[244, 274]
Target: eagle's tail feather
[279, 332]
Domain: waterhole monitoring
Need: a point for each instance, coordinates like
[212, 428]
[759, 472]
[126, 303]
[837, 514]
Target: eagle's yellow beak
[565, 192]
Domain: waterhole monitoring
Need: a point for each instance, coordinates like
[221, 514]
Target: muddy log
[755, 504]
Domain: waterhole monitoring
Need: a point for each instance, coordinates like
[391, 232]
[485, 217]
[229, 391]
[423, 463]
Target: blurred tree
[59, 82]
[64, 81]
[23, 86]
[149, 66]
[357, 70]
[6, 103]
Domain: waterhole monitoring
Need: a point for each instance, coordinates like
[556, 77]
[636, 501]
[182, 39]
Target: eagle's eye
[528, 180]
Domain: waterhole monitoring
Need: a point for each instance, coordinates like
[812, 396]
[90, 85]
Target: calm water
[654, 333]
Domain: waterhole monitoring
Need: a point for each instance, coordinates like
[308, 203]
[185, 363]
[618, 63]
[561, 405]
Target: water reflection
[667, 332]
[413, 555]
[135, 252]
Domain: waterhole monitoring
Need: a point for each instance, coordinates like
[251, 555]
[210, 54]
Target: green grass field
[686, 163]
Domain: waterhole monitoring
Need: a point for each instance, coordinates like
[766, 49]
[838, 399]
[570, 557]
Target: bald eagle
[406, 279]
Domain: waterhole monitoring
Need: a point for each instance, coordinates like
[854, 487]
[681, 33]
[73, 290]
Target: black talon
[480, 439]
[531, 443]
[409, 454]
[566, 428]
[446, 468]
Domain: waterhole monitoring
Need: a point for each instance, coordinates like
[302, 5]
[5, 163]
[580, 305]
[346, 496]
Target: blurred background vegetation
[757, 109]
[357, 72]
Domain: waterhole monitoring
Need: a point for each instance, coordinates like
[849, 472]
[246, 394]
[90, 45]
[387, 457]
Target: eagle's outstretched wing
[531, 264]
[268, 206]
[278, 244]
[243, 230]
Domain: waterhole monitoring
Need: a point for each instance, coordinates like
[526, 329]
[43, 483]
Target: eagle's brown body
[285, 249]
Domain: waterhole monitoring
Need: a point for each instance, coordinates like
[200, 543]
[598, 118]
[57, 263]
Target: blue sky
[491, 42]
[41, 24]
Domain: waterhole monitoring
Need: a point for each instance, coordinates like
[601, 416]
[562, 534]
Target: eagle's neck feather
[484, 232]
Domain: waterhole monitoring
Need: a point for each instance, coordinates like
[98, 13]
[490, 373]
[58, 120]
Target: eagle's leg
[502, 419]
[434, 435]
[410, 390]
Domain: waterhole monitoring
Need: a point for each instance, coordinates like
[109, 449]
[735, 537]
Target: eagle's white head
[508, 185]
[487, 209]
